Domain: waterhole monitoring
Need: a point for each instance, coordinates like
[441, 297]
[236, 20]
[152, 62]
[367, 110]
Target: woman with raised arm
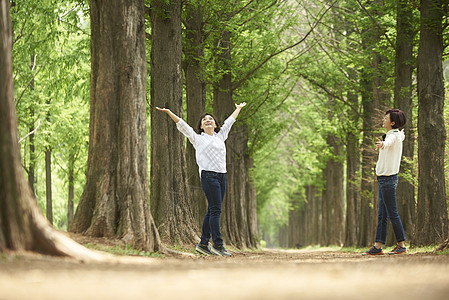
[210, 152]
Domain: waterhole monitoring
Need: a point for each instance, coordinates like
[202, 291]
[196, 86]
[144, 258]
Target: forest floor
[263, 274]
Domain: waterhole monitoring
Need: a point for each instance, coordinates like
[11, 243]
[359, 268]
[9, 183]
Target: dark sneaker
[398, 250]
[373, 251]
[219, 250]
[203, 249]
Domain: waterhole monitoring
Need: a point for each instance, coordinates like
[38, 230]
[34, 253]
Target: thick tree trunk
[283, 237]
[170, 203]
[405, 194]
[325, 222]
[115, 199]
[22, 225]
[311, 197]
[432, 225]
[251, 213]
[375, 101]
[294, 229]
[48, 195]
[352, 176]
[234, 198]
[333, 200]
[196, 102]
[317, 220]
[367, 212]
[32, 156]
[71, 193]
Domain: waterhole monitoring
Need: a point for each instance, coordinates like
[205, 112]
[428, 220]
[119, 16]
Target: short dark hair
[198, 126]
[398, 117]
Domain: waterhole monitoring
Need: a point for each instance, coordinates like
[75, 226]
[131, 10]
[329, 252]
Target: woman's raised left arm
[238, 109]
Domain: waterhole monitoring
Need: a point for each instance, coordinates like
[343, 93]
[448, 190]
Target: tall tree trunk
[333, 196]
[405, 194]
[432, 225]
[382, 103]
[333, 199]
[169, 194]
[294, 229]
[115, 199]
[374, 102]
[317, 220]
[32, 164]
[196, 102]
[325, 219]
[367, 194]
[283, 237]
[49, 202]
[251, 213]
[71, 194]
[23, 227]
[48, 194]
[352, 175]
[32, 156]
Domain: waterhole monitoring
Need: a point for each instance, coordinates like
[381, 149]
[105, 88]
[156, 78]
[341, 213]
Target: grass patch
[182, 249]
[128, 250]
[444, 252]
[410, 249]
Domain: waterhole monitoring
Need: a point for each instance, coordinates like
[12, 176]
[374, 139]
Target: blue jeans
[388, 209]
[214, 186]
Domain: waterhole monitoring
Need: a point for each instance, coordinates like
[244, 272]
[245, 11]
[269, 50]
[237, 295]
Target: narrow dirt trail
[270, 274]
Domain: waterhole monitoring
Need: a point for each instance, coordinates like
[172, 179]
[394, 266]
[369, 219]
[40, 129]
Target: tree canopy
[317, 77]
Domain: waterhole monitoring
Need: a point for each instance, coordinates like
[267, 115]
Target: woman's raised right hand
[165, 110]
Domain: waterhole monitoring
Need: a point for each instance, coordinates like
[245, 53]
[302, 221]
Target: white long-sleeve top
[210, 150]
[390, 154]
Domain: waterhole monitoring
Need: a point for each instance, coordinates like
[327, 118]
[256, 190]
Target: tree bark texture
[170, 196]
[115, 199]
[48, 183]
[32, 154]
[22, 225]
[403, 87]
[302, 220]
[317, 220]
[432, 218]
[283, 237]
[71, 192]
[352, 175]
[196, 101]
[333, 200]
[48, 194]
[253, 224]
[367, 207]
[295, 231]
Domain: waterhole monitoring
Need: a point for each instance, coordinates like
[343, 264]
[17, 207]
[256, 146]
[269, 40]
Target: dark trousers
[388, 209]
[214, 186]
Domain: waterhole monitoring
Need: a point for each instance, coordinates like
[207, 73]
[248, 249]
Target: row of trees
[387, 60]
[316, 75]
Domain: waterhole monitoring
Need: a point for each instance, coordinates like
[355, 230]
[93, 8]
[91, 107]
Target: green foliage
[54, 35]
[292, 62]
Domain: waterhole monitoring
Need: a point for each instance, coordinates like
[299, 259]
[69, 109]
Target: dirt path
[294, 274]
